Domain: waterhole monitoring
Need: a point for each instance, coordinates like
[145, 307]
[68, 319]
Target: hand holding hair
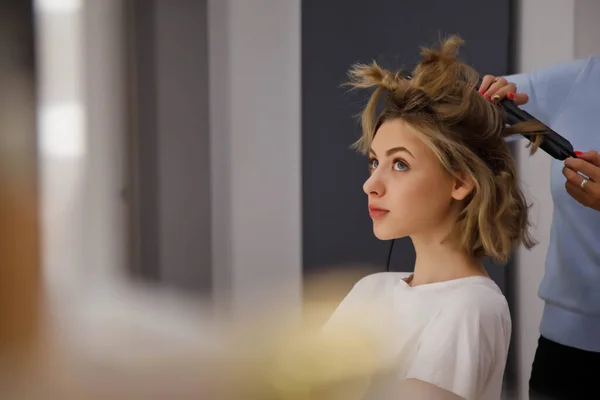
[499, 88]
[585, 189]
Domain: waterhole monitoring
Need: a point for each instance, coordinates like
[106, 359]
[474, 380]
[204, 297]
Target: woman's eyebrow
[393, 150]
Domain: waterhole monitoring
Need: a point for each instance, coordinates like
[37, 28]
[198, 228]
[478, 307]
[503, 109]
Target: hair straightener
[552, 143]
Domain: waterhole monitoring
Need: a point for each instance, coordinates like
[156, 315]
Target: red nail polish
[487, 96]
[482, 91]
[578, 153]
[511, 96]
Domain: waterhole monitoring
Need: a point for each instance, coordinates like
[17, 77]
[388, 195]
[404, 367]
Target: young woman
[441, 174]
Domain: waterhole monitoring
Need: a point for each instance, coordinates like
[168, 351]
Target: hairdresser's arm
[541, 92]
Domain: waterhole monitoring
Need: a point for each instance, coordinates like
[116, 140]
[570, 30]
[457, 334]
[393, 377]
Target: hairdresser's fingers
[590, 156]
[503, 91]
[589, 197]
[578, 194]
[573, 176]
[486, 82]
[496, 86]
[585, 191]
[518, 98]
[579, 165]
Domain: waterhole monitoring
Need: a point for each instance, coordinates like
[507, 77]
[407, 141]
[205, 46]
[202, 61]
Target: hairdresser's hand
[497, 88]
[589, 165]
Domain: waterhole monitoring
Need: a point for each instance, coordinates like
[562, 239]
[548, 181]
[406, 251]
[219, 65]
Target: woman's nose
[374, 186]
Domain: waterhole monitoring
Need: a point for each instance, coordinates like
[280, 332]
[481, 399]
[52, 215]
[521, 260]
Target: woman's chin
[386, 234]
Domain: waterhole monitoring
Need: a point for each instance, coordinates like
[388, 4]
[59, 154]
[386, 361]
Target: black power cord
[389, 258]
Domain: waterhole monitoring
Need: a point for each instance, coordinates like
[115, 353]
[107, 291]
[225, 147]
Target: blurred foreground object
[127, 341]
[19, 234]
[301, 362]
[118, 340]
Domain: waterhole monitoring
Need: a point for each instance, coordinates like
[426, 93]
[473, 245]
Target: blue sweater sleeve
[548, 88]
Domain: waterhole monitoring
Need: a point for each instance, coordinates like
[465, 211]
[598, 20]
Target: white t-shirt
[454, 335]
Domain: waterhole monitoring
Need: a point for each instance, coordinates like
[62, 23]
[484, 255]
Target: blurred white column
[62, 134]
[82, 135]
[255, 117]
[105, 234]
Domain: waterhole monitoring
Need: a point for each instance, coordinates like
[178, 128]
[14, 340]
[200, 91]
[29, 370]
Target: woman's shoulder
[380, 280]
[383, 277]
[479, 294]
[475, 310]
[475, 296]
[480, 303]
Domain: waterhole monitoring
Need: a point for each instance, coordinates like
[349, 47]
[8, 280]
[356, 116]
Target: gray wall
[218, 208]
[336, 227]
[255, 89]
[171, 142]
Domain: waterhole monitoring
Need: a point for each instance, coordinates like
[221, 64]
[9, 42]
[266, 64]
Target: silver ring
[583, 182]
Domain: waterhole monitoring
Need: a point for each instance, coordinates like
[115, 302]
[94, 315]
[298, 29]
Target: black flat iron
[552, 143]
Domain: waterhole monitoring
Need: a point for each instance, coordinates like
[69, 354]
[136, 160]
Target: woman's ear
[463, 186]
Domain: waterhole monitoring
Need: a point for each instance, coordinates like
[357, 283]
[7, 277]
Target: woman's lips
[376, 212]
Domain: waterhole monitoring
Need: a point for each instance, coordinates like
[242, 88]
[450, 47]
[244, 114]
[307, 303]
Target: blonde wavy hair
[466, 132]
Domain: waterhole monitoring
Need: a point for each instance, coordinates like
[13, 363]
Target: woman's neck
[439, 262]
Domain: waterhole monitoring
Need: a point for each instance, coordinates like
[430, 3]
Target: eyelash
[373, 160]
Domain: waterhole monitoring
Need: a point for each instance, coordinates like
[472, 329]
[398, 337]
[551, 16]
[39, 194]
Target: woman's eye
[400, 165]
[373, 164]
